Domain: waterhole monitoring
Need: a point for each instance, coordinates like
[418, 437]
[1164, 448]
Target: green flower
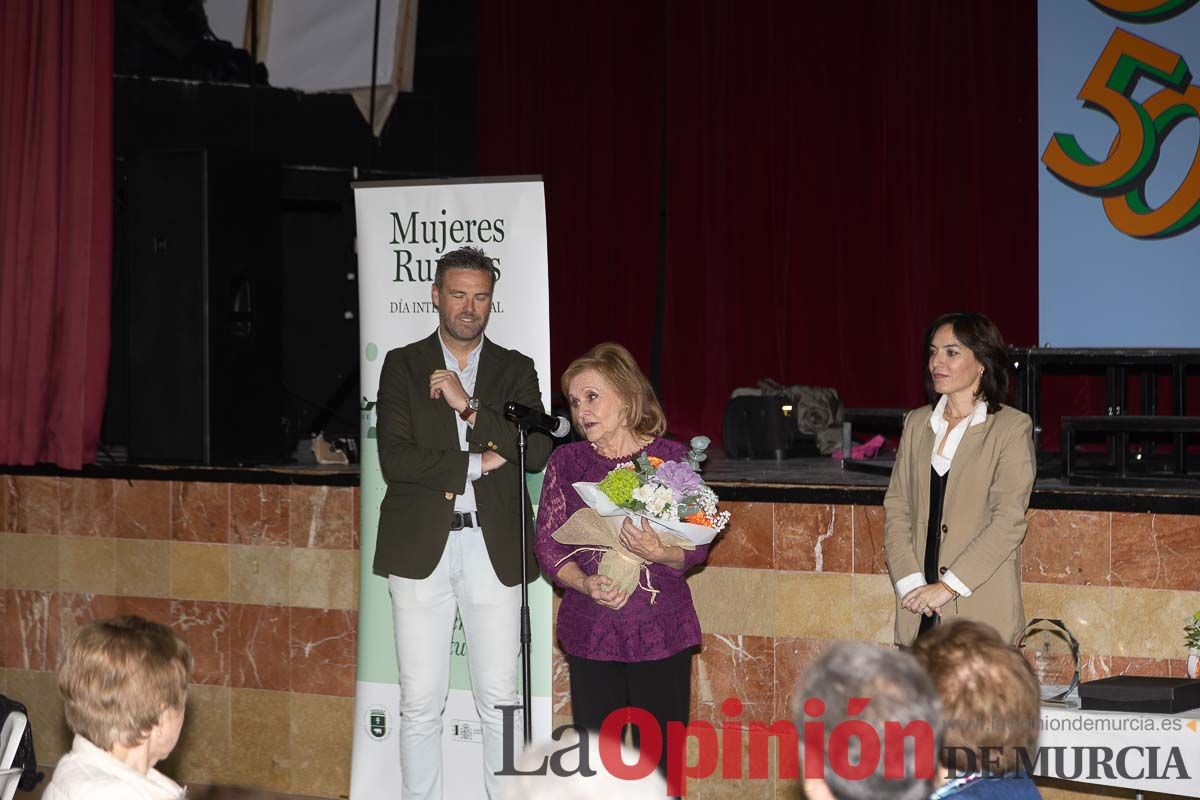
[619, 485]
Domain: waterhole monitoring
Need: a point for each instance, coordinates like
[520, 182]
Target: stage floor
[823, 480]
[793, 480]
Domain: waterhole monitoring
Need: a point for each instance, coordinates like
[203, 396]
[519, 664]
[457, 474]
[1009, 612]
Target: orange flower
[698, 519]
[655, 461]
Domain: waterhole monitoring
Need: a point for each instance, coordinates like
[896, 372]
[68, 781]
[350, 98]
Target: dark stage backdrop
[833, 176]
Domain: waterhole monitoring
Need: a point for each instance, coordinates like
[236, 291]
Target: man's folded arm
[400, 457]
[492, 431]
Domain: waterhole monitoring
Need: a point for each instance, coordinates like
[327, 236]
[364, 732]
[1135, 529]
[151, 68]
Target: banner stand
[403, 228]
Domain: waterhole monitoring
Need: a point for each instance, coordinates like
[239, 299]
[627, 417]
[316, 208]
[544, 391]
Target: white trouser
[423, 612]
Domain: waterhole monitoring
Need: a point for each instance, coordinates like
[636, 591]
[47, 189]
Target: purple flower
[680, 478]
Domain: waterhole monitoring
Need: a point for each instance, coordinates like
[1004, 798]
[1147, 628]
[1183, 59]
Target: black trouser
[663, 688]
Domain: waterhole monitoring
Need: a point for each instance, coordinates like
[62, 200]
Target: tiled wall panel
[262, 583]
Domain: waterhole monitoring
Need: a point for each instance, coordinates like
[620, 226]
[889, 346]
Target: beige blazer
[983, 517]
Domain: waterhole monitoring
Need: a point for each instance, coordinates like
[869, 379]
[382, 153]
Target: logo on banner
[378, 723]
[1119, 177]
[465, 730]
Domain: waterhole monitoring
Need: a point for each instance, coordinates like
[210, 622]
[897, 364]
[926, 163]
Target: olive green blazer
[424, 467]
[983, 517]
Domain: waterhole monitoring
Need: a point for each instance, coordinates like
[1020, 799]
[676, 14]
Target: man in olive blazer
[425, 470]
[449, 524]
[983, 517]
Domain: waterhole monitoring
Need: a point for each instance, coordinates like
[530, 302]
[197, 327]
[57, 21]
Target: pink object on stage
[867, 449]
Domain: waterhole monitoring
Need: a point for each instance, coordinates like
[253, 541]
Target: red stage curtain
[573, 92]
[836, 175]
[55, 227]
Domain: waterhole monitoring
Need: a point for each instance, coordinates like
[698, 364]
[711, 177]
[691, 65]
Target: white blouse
[941, 462]
[89, 773]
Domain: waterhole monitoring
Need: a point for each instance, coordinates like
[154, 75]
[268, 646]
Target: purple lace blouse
[639, 631]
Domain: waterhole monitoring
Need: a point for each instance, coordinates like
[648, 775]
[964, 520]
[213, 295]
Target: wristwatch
[472, 406]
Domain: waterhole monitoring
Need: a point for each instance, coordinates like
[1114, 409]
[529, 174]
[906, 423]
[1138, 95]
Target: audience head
[982, 340]
[564, 781]
[607, 392]
[901, 699]
[124, 683]
[990, 696]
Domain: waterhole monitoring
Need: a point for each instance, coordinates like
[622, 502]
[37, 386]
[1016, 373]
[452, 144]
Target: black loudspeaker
[204, 310]
[763, 427]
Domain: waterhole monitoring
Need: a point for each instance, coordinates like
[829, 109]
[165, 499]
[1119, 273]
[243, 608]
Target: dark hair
[989, 692]
[465, 258]
[980, 335]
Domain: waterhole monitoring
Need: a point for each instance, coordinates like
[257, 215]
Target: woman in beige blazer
[964, 472]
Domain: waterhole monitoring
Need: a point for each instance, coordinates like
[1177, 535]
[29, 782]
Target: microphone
[534, 419]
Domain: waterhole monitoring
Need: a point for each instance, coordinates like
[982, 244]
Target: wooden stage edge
[794, 480]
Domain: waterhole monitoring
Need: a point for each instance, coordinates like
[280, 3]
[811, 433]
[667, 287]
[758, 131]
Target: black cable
[253, 75]
[374, 67]
[326, 414]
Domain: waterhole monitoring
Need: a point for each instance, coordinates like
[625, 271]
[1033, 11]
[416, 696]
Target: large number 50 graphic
[1141, 128]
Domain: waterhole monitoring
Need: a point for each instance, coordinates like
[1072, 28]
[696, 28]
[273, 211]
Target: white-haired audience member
[899, 693]
[124, 684]
[566, 782]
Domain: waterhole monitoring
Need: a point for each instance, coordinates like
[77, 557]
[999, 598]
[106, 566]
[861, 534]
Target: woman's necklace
[638, 443]
[952, 416]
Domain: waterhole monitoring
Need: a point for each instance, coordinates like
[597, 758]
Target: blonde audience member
[991, 707]
[124, 684]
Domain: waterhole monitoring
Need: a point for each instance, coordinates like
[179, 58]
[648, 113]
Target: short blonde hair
[119, 675]
[644, 415]
[990, 694]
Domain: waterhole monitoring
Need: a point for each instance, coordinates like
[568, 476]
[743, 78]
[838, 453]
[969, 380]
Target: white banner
[403, 228]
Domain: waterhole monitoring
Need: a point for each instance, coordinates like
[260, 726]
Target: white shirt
[89, 773]
[465, 502]
[941, 464]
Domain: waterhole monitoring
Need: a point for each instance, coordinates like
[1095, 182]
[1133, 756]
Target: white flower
[643, 493]
[707, 499]
[658, 500]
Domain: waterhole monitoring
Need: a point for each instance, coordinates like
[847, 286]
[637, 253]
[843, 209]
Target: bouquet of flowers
[670, 494]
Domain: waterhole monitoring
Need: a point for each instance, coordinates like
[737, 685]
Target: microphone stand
[524, 419]
[526, 637]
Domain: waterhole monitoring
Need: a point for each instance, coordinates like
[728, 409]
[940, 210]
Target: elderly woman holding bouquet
[624, 648]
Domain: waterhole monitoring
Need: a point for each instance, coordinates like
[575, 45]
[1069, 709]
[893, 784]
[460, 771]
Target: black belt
[462, 520]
